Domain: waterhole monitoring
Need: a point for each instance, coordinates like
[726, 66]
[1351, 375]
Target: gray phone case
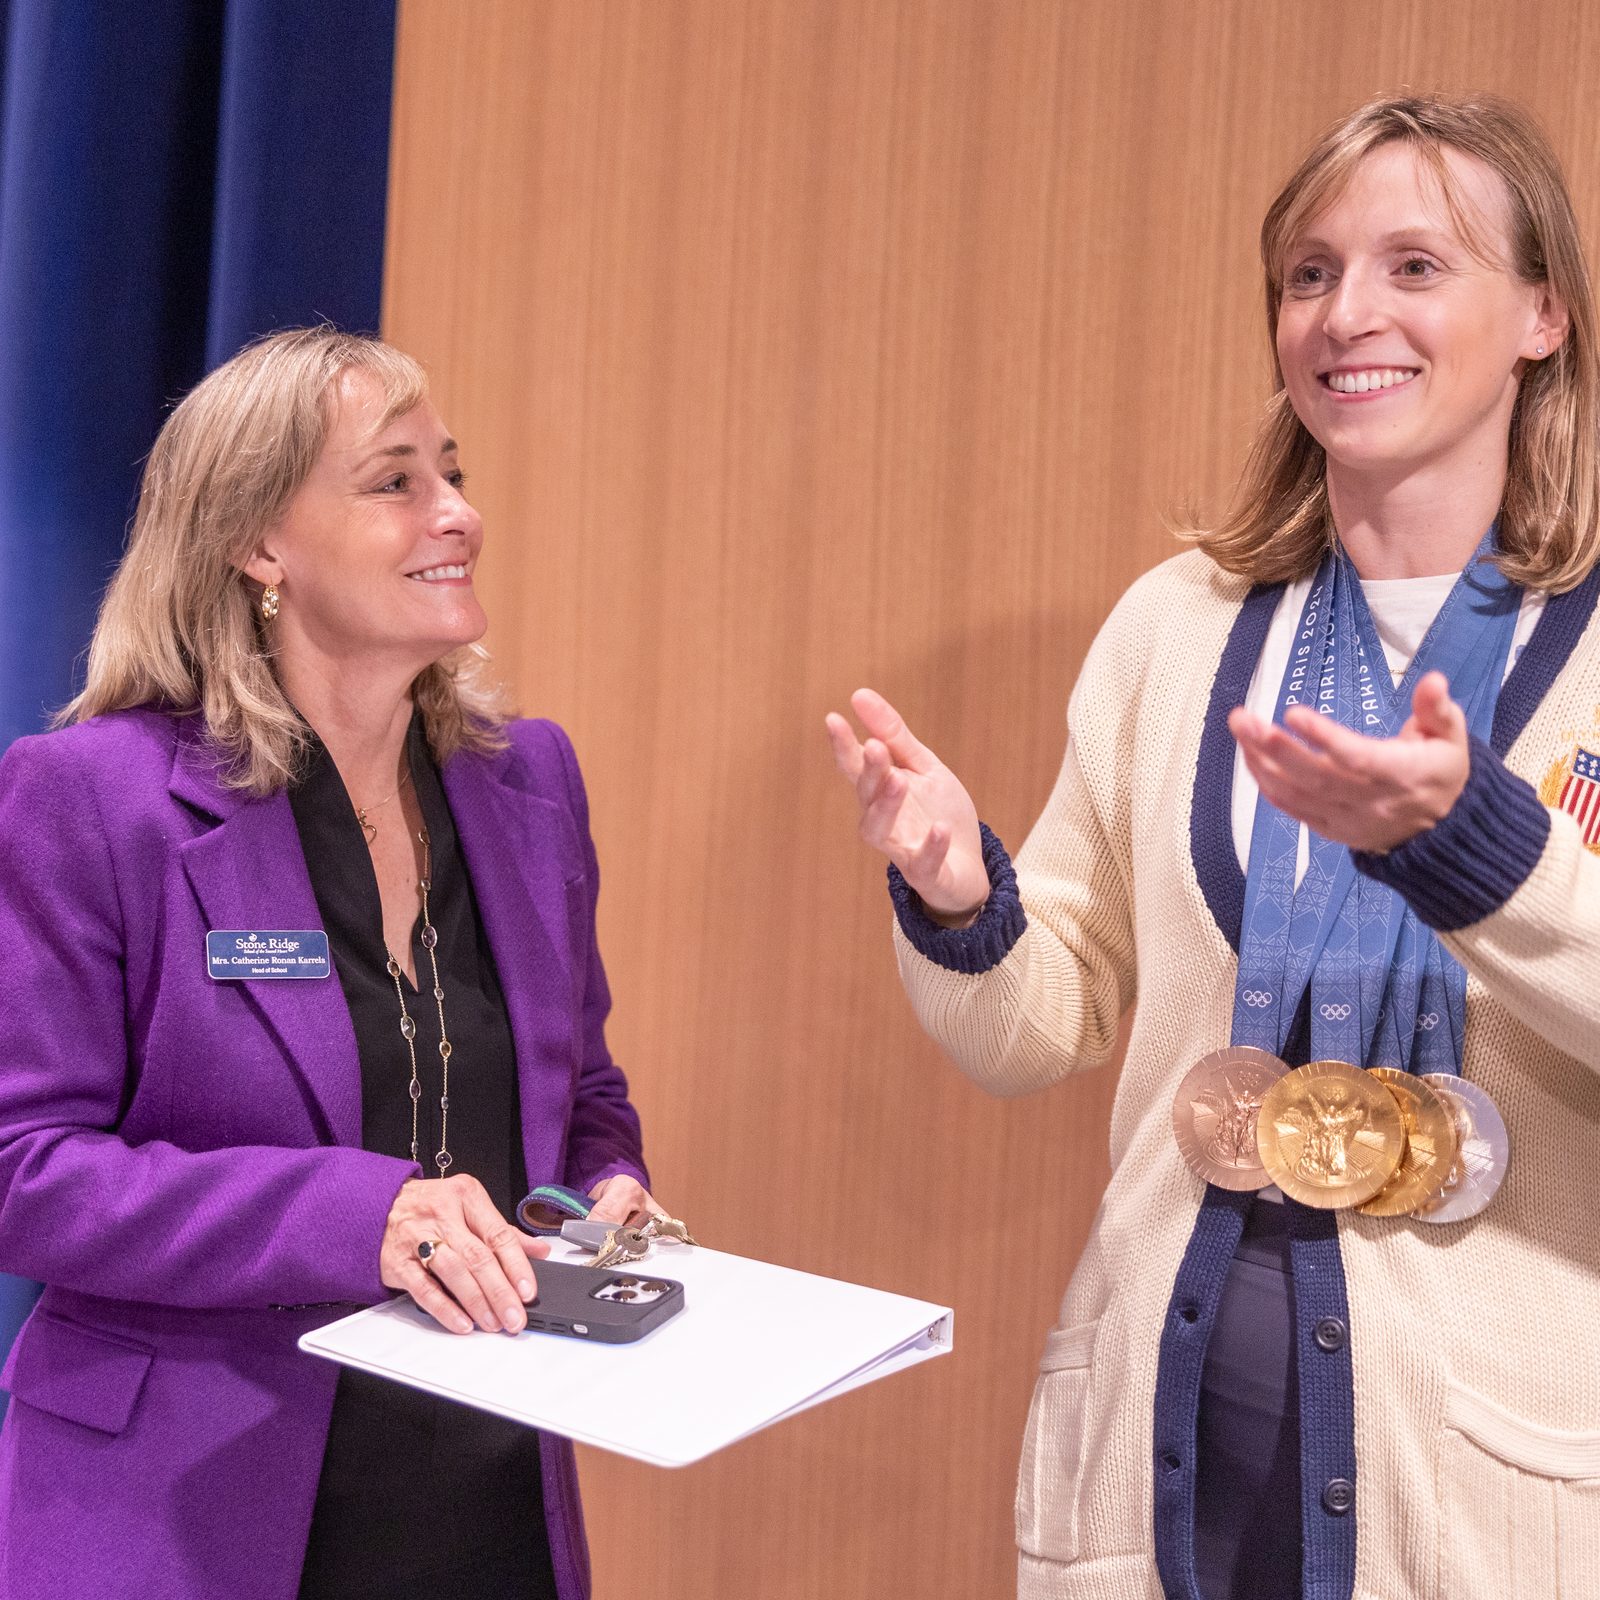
[630, 1302]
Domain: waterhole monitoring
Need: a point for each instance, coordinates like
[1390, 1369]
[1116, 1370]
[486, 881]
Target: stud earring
[269, 603]
[1541, 349]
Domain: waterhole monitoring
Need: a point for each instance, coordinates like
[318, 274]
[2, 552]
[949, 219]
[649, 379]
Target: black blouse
[417, 1494]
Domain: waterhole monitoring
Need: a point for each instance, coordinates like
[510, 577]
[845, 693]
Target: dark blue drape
[176, 176]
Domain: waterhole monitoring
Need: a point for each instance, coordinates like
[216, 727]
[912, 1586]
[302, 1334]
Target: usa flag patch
[1580, 795]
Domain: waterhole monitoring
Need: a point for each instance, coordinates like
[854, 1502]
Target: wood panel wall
[798, 344]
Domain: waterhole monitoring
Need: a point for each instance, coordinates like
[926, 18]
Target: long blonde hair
[178, 626]
[1279, 524]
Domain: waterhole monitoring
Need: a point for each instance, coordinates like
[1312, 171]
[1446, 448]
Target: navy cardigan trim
[1196, 1295]
[1326, 1386]
[982, 944]
[1473, 861]
[1559, 630]
[1322, 1335]
[1211, 805]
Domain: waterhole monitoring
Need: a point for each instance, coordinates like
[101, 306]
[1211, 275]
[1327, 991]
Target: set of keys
[616, 1246]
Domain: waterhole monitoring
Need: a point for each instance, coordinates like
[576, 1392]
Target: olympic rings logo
[1256, 998]
[1330, 1013]
[1428, 1021]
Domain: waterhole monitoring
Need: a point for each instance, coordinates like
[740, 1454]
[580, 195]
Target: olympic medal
[1330, 1135]
[1483, 1150]
[1430, 1146]
[1215, 1111]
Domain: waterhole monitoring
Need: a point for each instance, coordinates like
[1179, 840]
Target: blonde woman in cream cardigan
[1248, 1397]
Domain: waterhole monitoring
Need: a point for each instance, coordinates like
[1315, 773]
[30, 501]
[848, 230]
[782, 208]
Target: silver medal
[1483, 1150]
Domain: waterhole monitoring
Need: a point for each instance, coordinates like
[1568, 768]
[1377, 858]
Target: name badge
[232, 954]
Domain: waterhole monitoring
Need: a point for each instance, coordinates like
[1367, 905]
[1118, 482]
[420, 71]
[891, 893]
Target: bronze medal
[1430, 1146]
[1215, 1111]
[1330, 1135]
[1483, 1151]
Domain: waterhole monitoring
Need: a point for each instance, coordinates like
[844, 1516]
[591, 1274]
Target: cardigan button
[1330, 1334]
[1338, 1496]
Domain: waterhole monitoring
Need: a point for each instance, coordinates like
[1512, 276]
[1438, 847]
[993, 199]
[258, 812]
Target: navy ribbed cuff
[983, 944]
[1468, 865]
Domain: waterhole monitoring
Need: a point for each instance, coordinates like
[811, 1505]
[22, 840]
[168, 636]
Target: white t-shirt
[1403, 610]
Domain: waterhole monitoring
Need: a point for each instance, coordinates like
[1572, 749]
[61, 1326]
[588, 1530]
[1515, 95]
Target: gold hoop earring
[269, 603]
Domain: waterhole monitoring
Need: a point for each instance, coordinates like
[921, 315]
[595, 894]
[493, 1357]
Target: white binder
[754, 1343]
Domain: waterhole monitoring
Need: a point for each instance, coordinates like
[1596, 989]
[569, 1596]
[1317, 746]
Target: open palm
[1368, 793]
[913, 807]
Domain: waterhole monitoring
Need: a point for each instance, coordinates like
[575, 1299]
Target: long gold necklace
[408, 1026]
[371, 828]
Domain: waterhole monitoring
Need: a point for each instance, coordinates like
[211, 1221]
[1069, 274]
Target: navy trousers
[1247, 1492]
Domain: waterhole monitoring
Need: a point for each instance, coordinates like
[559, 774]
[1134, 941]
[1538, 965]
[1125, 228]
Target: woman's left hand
[622, 1200]
[1370, 794]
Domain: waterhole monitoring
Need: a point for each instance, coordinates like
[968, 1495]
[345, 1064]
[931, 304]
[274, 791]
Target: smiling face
[1401, 346]
[374, 556]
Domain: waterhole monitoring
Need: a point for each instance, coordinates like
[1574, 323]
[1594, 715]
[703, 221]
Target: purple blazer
[180, 1159]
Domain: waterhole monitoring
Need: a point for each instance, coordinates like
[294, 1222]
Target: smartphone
[608, 1307]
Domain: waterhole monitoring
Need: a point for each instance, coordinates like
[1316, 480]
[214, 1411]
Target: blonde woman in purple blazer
[284, 737]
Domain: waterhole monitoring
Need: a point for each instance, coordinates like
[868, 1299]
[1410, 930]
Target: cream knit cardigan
[1476, 1346]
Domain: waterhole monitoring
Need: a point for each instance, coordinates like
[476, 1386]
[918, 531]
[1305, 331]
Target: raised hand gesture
[1371, 794]
[913, 808]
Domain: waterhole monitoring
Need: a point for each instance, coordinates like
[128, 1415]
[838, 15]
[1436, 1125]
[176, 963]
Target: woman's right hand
[480, 1259]
[913, 808]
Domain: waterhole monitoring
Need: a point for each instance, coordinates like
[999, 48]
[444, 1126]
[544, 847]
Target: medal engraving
[1331, 1135]
[1483, 1151]
[1430, 1146]
[1215, 1112]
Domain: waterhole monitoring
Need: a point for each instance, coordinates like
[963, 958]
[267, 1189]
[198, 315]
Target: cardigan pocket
[1519, 1505]
[1052, 1446]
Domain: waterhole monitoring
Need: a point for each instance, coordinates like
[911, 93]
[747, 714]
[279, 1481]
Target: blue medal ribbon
[1382, 989]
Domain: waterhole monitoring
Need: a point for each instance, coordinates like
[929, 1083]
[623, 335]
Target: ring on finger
[427, 1249]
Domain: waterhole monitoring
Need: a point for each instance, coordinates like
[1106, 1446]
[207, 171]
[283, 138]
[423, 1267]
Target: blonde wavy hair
[1279, 523]
[179, 626]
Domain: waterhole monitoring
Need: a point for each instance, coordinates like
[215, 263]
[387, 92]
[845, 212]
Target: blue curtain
[176, 177]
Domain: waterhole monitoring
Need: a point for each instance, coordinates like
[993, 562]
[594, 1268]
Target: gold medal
[1430, 1146]
[1330, 1135]
[1215, 1111]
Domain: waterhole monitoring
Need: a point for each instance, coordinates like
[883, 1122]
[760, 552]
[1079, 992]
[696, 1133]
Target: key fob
[547, 1207]
[585, 1234]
